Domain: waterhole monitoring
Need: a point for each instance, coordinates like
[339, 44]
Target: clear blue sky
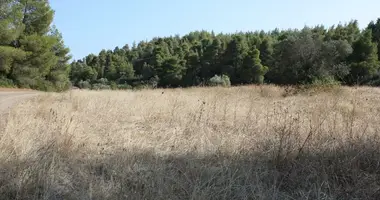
[89, 26]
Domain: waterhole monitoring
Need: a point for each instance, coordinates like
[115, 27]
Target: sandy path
[10, 98]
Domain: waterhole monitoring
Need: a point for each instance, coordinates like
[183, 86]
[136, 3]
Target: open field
[197, 143]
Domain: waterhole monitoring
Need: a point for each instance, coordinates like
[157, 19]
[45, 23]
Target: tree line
[33, 55]
[341, 53]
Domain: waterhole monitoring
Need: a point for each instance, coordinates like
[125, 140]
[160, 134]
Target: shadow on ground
[347, 172]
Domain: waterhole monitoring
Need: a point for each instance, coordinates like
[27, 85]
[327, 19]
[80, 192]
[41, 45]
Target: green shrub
[223, 80]
[325, 82]
[326, 85]
[61, 86]
[103, 81]
[84, 85]
[375, 81]
[113, 85]
[4, 82]
[45, 86]
[99, 86]
[124, 87]
[141, 87]
[153, 82]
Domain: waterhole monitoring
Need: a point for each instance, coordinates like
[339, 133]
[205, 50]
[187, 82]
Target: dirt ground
[9, 97]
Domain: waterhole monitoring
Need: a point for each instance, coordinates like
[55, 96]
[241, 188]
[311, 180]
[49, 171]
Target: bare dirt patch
[9, 98]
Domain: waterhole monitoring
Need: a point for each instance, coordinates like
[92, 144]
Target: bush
[113, 85]
[325, 82]
[153, 82]
[99, 86]
[223, 80]
[4, 82]
[61, 86]
[124, 87]
[84, 85]
[44, 85]
[103, 81]
[375, 81]
[141, 87]
[329, 85]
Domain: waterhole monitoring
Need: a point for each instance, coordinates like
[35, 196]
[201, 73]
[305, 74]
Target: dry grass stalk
[198, 143]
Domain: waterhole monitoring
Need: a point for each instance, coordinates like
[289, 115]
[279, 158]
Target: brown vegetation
[197, 143]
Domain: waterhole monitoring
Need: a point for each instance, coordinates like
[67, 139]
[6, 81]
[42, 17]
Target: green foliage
[223, 80]
[84, 85]
[33, 55]
[302, 58]
[124, 87]
[170, 72]
[252, 70]
[347, 32]
[364, 59]
[4, 82]
[341, 53]
[100, 86]
[153, 82]
[8, 57]
[375, 30]
[38, 16]
[327, 81]
[327, 84]
[234, 56]
[32, 52]
[113, 85]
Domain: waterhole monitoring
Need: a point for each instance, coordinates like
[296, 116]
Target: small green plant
[223, 80]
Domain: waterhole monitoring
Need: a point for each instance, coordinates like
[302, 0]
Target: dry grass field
[198, 143]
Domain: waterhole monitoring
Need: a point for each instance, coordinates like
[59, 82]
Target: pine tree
[59, 73]
[170, 72]
[349, 32]
[266, 52]
[252, 70]
[10, 29]
[364, 59]
[192, 71]
[32, 52]
[375, 29]
[234, 57]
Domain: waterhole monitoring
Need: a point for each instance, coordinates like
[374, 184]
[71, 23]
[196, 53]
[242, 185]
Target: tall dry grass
[197, 143]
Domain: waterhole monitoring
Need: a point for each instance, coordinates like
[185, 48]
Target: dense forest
[33, 55]
[341, 53]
